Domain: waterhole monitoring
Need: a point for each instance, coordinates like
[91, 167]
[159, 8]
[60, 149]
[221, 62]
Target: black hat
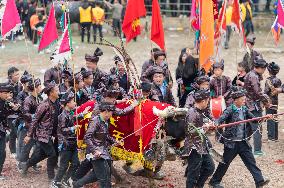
[146, 86]
[32, 84]
[112, 93]
[218, 65]
[201, 94]
[94, 58]
[117, 59]
[260, 63]
[106, 106]
[158, 54]
[67, 97]
[49, 87]
[273, 68]
[251, 40]
[86, 74]
[26, 77]
[113, 79]
[157, 70]
[6, 87]
[238, 92]
[202, 79]
[67, 73]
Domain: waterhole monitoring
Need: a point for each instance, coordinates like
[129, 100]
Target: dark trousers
[84, 174]
[2, 150]
[248, 26]
[85, 26]
[199, 168]
[100, 28]
[101, 172]
[255, 5]
[13, 135]
[21, 155]
[68, 159]
[243, 149]
[41, 152]
[272, 126]
[116, 24]
[228, 36]
[256, 128]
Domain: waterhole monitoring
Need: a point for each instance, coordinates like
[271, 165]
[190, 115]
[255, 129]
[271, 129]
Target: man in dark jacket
[160, 91]
[197, 145]
[255, 97]
[53, 74]
[251, 55]
[6, 108]
[67, 142]
[235, 141]
[44, 130]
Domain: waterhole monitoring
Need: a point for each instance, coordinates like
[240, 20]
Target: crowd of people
[44, 118]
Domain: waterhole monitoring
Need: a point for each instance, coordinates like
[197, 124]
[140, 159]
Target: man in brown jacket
[43, 129]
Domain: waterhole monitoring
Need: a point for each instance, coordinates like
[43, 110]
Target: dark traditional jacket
[156, 95]
[52, 74]
[17, 89]
[230, 134]
[29, 109]
[5, 111]
[147, 75]
[254, 91]
[116, 112]
[271, 83]
[249, 59]
[98, 78]
[66, 132]
[62, 88]
[220, 86]
[45, 122]
[195, 137]
[98, 138]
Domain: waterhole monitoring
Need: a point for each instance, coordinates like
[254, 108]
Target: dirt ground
[272, 164]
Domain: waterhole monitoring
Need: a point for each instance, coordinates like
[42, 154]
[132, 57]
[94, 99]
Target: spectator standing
[98, 15]
[85, 20]
[116, 8]
[247, 17]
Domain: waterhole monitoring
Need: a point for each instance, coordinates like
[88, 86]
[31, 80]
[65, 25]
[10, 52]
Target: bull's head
[170, 111]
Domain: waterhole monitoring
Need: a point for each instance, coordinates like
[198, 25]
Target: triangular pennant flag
[280, 13]
[65, 42]
[157, 30]
[49, 35]
[11, 20]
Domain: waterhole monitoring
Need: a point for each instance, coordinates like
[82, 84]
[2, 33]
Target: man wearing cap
[160, 91]
[120, 71]
[53, 74]
[98, 141]
[29, 109]
[160, 61]
[92, 65]
[197, 145]
[6, 108]
[88, 88]
[44, 130]
[202, 82]
[255, 97]
[251, 54]
[67, 142]
[67, 80]
[149, 62]
[271, 85]
[235, 140]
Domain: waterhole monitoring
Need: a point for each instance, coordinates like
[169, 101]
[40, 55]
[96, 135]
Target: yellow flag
[206, 34]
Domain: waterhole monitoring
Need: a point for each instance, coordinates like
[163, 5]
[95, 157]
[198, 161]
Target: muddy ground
[272, 164]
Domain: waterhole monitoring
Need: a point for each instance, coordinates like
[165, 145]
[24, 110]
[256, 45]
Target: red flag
[236, 16]
[11, 19]
[131, 25]
[215, 9]
[221, 23]
[65, 42]
[50, 31]
[157, 30]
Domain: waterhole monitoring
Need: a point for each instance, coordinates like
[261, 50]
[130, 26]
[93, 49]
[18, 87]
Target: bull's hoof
[158, 176]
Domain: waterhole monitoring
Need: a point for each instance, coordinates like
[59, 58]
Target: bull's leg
[117, 177]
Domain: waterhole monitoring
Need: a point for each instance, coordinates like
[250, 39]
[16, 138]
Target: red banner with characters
[215, 9]
[136, 129]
